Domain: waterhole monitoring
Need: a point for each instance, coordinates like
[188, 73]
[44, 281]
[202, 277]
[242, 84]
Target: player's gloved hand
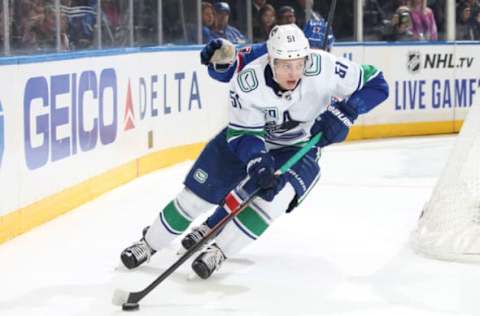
[208, 50]
[261, 170]
[334, 123]
[269, 194]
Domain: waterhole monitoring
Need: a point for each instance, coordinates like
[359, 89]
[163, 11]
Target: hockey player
[315, 31]
[217, 149]
[275, 103]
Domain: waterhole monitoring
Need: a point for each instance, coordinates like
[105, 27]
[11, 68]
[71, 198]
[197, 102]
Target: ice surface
[344, 251]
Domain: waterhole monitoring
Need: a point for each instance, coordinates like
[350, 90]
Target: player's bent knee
[253, 221]
[279, 204]
[192, 204]
[175, 218]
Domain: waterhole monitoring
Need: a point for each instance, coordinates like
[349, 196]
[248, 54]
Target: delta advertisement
[65, 121]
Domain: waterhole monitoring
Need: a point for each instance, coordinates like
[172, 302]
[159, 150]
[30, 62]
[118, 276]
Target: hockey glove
[334, 123]
[269, 194]
[261, 170]
[208, 50]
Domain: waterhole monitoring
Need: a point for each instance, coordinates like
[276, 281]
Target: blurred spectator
[390, 6]
[145, 23]
[2, 32]
[208, 14]
[439, 12]
[41, 29]
[221, 28]
[475, 4]
[461, 4]
[256, 6]
[266, 18]
[400, 28]
[286, 15]
[300, 7]
[114, 23]
[464, 26]
[424, 26]
[476, 26]
[315, 31]
[82, 18]
[179, 22]
[374, 20]
[343, 19]
[208, 18]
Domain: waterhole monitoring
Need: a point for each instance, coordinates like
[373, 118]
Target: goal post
[449, 225]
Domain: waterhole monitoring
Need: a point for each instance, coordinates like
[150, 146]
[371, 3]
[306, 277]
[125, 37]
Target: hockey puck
[130, 306]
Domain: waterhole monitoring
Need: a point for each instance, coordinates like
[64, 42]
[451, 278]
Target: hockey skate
[195, 236]
[137, 253]
[208, 261]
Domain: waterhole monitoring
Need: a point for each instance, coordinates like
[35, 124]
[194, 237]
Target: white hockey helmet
[287, 42]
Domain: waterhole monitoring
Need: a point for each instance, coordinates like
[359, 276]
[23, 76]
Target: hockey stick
[331, 11]
[129, 300]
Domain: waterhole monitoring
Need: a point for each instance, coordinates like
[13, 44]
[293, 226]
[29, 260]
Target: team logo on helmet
[274, 31]
[414, 61]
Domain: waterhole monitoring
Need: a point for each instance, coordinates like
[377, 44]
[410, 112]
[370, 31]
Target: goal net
[449, 226]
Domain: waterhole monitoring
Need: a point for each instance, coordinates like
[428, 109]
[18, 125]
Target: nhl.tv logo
[2, 134]
[414, 61]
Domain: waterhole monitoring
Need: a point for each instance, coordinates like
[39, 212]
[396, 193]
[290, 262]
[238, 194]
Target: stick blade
[120, 297]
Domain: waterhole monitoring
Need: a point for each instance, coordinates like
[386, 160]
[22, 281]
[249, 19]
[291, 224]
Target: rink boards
[73, 126]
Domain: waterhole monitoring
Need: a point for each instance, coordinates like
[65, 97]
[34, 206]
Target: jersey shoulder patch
[247, 80]
[315, 66]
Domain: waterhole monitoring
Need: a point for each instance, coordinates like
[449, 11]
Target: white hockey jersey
[285, 119]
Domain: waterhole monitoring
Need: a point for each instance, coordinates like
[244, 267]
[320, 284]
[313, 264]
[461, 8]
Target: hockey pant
[216, 172]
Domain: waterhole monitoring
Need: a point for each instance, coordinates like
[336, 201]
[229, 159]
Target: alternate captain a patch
[271, 114]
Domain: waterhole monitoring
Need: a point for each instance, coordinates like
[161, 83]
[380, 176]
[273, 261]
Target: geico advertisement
[91, 113]
[71, 120]
[69, 113]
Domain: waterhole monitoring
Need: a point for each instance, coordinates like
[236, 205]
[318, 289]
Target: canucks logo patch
[200, 176]
[314, 66]
[247, 80]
